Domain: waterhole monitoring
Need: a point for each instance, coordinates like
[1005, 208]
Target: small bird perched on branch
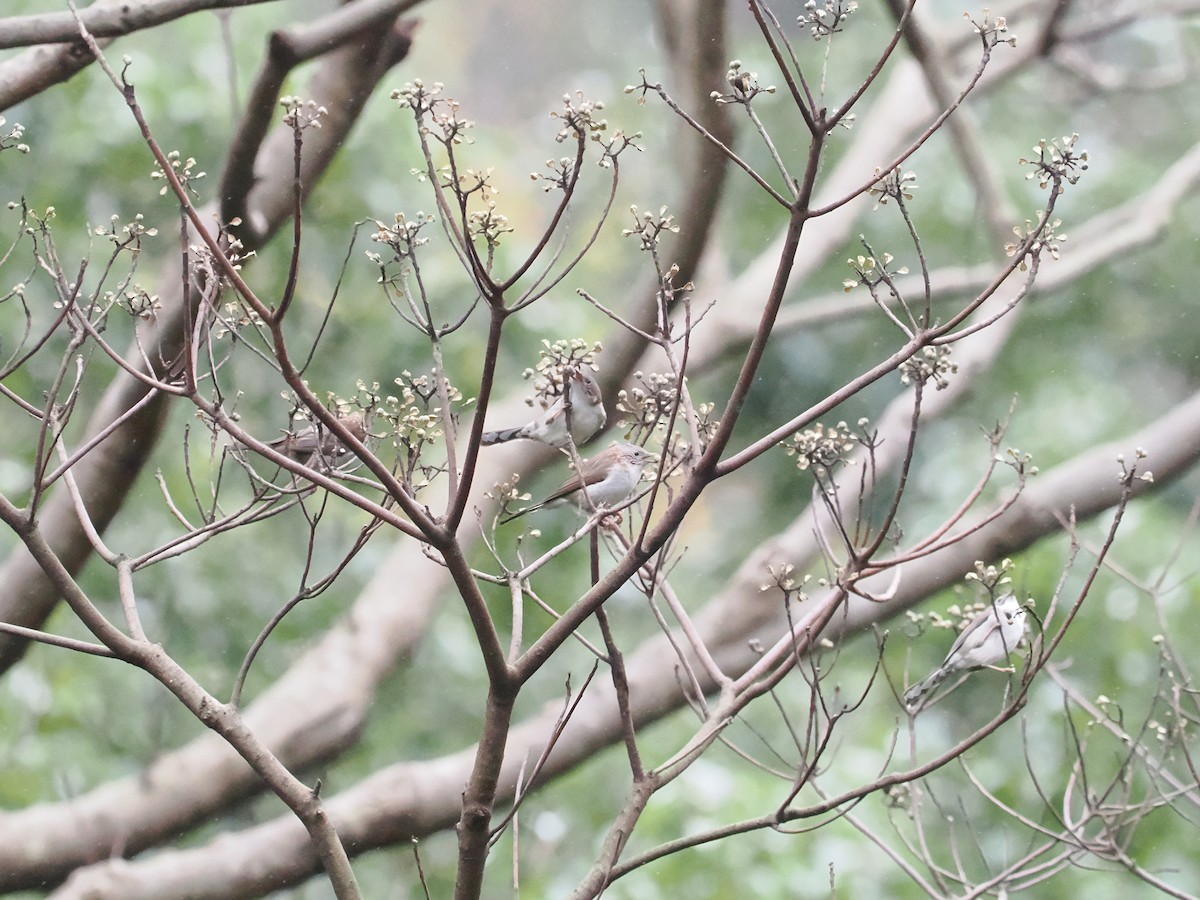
[610, 478]
[550, 427]
[316, 446]
[990, 638]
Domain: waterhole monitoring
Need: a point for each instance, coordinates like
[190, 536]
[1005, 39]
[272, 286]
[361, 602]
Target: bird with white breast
[586, 415]
[605, 481]
[987, 640]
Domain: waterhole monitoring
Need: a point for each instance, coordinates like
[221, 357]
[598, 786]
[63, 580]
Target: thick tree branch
[104, 19]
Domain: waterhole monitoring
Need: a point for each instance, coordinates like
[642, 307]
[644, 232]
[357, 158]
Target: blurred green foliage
[1088, 364]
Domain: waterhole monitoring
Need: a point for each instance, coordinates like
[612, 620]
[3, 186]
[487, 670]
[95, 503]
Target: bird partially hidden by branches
[317, 447]
[587, 416]
[609, 478]
[989, 638]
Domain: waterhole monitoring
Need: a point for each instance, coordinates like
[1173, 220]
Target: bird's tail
[500, 437]
[914, 697]
[520, 512]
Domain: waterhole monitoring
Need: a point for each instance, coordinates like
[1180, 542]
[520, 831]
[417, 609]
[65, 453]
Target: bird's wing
[976, 633]
[593, 472]
[556, 411]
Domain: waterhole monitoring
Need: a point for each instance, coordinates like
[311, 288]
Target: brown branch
[287, 49]
[342, 84]
[104, 20]
[426, 794]
[219, 717]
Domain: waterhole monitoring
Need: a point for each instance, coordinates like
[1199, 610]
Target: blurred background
[1095, 357]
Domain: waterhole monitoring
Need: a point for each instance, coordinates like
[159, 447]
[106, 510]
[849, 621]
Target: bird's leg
[612, 521]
